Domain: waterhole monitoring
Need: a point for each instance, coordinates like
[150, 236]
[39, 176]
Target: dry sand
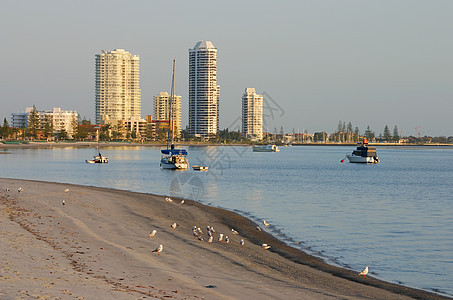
[97, 246]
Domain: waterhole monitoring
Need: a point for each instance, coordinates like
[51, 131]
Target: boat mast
[172, 93]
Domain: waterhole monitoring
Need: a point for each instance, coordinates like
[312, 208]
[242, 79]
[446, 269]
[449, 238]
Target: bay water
[395, 216]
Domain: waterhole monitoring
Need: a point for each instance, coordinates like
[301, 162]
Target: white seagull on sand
[364, 272]
[20, 189]
[258, 228]
[266, 246]
[182, 201]
[234, 231]
[242, 242]
[66, 190]
[174, 225]
[63, 203]
[159, 249]
[168, 199]
[153, 233]
[265, 223]
[210, 239]
[220, 237]
[227, 239]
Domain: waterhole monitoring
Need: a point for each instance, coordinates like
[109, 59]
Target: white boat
[98, 160]
[363, 154]
[172, 158]
[175, 159]
[200, 168]
[267, 148]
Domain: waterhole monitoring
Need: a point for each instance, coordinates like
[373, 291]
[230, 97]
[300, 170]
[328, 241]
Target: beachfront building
[203, 90]
[252, 114]
[117, 95]
[61, 120]
[162, 107]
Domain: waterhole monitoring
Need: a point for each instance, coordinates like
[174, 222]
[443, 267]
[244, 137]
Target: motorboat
[98, 159]
[174, 159]
[267, 148]
[363, 154]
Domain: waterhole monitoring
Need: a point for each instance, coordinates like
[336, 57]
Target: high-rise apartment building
[252, 114]
[203, 90]
[117, 87]
[162, 110]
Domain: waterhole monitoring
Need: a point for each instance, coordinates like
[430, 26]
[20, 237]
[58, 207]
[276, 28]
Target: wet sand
[97, 246]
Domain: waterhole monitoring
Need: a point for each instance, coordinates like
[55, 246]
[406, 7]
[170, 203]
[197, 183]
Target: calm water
[395, 216]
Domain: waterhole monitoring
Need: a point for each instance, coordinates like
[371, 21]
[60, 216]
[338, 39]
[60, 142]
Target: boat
[363, 154]
[267, 148]
[200, 168]
[99, 159]
[172, 158]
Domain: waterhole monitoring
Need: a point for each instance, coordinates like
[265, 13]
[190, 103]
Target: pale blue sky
[372, 63]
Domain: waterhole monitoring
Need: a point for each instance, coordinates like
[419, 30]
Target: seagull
[220, 237]
[242, 242]
[182, 201]
[66, 190]
[209, 234]
[234, 231]
[7, 189]
[159, 249]
[63, 203]
[20, 189]
[152, 234]
[265, 246]
[265, 223]
[174, 225]
[364, 272]
[212, 230]
[208, 228]
[168, 199]
[210, 239]
[258, 228]
[227, 239]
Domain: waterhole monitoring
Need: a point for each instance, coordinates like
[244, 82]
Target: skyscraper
[203, 90]
[252, 114]
[162, 110]
[117, 87]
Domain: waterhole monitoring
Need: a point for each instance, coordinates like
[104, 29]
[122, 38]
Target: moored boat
[174, 159]
[98, 159]
[363, 154]
[267, 148]
[200, 168]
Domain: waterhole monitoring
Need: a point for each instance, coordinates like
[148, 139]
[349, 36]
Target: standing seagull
[220, 237]
[364, 272]
[265, 223]
[242, 242]
[159, 249]
[63, 203]
[66, 190]
[153, 233]
[20, 189]
[227, 239]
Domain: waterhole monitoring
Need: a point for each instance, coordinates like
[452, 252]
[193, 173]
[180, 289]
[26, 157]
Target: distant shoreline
[44, 145]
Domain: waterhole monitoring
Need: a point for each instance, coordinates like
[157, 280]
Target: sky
[317, 62]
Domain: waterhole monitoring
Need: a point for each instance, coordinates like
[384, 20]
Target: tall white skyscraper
[162, 110]
[203, 90]
[252, 114]
[117, 87]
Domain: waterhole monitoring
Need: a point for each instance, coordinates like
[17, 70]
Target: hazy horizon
[373, 63]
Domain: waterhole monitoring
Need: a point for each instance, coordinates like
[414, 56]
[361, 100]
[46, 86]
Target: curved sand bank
[96, 246]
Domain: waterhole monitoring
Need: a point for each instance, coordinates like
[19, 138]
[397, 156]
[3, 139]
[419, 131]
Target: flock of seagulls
[197, 232]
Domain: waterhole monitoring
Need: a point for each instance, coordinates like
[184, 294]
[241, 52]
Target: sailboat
[172, 158]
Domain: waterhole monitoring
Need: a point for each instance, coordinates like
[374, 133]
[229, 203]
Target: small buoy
[342, 160]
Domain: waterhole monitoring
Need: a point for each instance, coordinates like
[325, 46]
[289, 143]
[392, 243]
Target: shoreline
[282, 266]
[47, 145]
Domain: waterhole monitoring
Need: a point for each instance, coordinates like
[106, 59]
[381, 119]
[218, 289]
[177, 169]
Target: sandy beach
[97, 246]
